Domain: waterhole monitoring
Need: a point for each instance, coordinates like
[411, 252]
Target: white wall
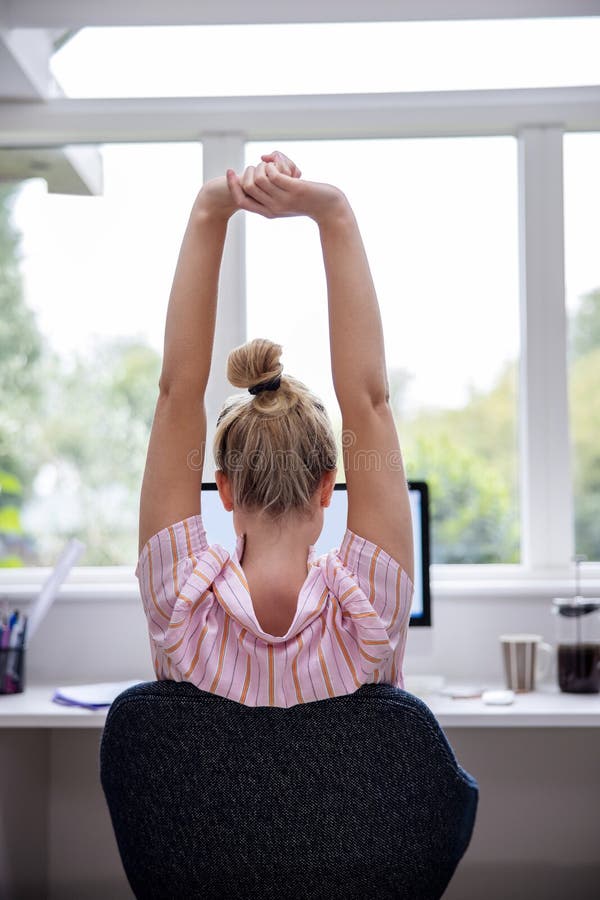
[107, 640]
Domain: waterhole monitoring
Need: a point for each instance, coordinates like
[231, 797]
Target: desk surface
[546, 707]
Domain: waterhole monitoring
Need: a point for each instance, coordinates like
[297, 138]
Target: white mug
[527, 659]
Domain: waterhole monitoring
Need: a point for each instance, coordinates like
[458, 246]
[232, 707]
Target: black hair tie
[266, 386]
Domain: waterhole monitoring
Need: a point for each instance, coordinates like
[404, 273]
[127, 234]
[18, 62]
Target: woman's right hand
[269, 191]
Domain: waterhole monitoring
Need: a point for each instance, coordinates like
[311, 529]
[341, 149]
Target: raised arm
[378, 499]
[173, 474]
[172, 479]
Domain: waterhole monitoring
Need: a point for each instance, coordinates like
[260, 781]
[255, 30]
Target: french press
[578, 641]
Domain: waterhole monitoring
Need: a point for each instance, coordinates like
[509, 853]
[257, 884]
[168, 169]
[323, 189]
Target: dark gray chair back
[358, 796]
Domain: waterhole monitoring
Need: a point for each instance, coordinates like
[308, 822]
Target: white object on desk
[69, 556]
[423, 685]
[498, 698]
[91, 696]
[462, 691]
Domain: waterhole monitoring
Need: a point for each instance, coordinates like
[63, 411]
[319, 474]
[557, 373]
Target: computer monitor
[219, 529]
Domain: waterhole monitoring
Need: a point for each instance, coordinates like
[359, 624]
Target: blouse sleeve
[175, 567]
[380, 577]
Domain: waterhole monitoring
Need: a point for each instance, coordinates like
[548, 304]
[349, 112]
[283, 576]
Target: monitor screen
[219, 529]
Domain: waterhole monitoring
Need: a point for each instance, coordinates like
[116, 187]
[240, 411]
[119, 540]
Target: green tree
[73, 434]
[584, 326]
[21, 346]
[584, 403]
[469, 457]
[472, 516]
[97, 420]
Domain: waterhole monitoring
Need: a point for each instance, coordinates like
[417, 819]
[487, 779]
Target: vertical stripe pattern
[349, 629]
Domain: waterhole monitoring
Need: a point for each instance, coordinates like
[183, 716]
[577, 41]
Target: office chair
[358, 796]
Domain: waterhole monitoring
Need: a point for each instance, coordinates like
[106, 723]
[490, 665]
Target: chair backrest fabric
[358, 796]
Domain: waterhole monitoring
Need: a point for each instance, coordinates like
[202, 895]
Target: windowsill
[511, 582]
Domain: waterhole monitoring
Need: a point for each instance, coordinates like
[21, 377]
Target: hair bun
[255, 364]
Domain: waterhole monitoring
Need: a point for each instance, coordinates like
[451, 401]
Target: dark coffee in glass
[579, 668]
[578, 644]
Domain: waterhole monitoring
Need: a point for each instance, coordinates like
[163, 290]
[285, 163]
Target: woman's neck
[268, 544]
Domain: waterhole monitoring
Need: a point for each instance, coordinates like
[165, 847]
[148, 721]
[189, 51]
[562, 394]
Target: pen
[15, 633]
[15, 643]
[4, 656]
[24, 621]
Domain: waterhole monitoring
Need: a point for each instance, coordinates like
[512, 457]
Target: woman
[272, 623]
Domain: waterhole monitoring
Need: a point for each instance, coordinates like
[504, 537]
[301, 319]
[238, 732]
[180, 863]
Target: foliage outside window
[442, 242]
[84, 286]
[582, 269]
[74, 432]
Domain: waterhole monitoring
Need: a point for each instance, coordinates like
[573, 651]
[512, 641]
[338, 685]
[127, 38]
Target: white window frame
[538, 118]
[81, 13]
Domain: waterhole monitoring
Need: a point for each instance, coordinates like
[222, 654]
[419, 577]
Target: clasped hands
[273, 189]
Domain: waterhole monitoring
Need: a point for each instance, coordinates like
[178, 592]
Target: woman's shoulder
[364, 557]
[177, 570]
[182, 543]
[363, 577]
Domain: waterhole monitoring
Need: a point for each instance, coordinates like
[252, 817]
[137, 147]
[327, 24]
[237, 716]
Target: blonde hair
[273, 446]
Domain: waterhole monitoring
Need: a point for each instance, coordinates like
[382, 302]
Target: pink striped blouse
[349, 629]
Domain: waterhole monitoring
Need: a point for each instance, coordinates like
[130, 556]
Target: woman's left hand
[215, 195]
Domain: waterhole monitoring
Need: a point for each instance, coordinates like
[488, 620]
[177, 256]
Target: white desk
[59, 842]
[546, 707]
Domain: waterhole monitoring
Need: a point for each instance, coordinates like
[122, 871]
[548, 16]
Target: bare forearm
[192, 309]
[356, 333]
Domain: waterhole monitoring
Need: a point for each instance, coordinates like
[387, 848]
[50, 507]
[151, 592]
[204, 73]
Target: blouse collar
[239, 604]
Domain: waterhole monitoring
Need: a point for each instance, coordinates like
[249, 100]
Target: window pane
[85, 287]
[346, 57]
[439, 223]
[582, 263]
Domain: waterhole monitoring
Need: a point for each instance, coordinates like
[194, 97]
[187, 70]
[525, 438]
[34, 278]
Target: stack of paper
[91, 696]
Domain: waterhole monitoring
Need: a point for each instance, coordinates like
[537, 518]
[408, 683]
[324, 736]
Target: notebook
[91, 696]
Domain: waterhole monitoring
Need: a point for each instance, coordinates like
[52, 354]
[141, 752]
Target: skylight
[356, 57]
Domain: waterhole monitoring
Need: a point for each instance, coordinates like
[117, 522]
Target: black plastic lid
[574, 607]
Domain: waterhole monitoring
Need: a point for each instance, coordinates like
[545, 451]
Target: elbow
[383, 398]
[380, 395]
[380, 401]
[179, 388]
[164, 386]
[364, 398]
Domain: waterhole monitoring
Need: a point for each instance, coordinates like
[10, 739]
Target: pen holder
[12, 670]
